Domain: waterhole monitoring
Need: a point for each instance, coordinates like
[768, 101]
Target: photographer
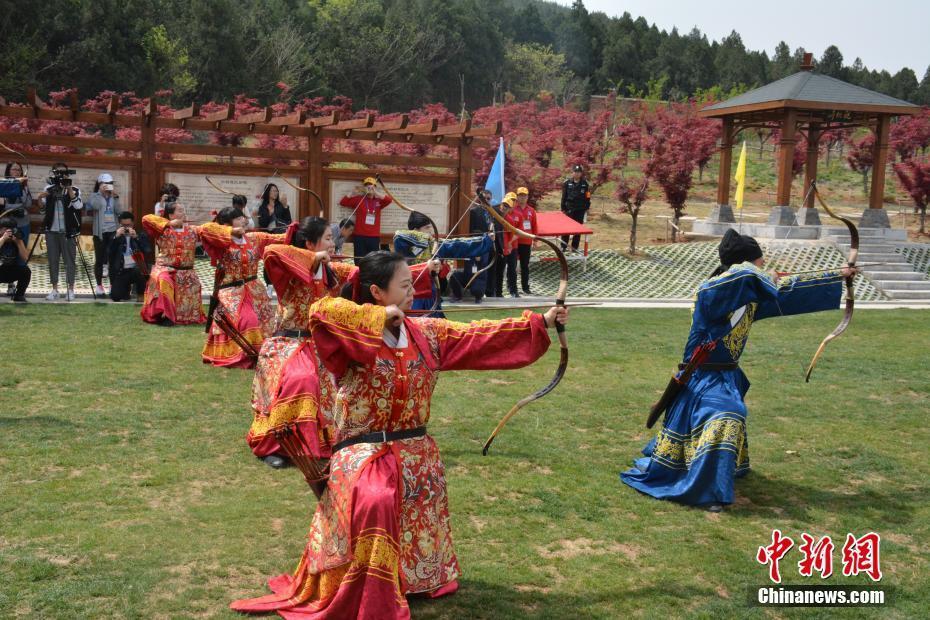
[62, 226]
[126, 259]
[169, 193]
[104, 206]
[15, 201]
[13, 256]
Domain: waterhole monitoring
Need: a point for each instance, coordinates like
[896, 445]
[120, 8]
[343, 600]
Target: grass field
[127, 490]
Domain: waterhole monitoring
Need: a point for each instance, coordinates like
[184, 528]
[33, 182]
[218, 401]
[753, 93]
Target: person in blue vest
[104, 206]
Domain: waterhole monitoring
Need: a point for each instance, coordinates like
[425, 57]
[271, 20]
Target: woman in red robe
[381, 529]
[238, 292]
[172, 295]
[286, 387]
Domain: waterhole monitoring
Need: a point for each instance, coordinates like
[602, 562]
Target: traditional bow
[559, 301]
[850, 297]
[432, 224]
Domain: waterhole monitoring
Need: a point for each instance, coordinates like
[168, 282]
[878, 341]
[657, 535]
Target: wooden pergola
[313, 165]
[808, 104]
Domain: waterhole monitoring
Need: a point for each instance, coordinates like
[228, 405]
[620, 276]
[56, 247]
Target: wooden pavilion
[806, 103]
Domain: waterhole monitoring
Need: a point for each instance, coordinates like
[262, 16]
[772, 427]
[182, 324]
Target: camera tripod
[80, 251]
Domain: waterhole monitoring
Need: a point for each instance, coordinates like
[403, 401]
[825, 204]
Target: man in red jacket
[366, 205]
[526, 218]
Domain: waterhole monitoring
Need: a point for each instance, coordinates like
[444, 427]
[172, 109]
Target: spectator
[17, 206]
[368, 204]
[169, 193]
[274, 215]
[62, 224]
[576, 201]
[104, 206]
[512, 215]
[126, 259]
[242, 203]
[527, 223]
[341, 232]
[13, 255]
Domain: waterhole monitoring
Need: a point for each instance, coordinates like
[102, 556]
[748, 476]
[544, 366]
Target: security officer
[576, 200]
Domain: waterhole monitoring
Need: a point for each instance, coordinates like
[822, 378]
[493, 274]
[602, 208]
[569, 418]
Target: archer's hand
[556, 314]
[6, 236]
[321, 257]
[394, 316]
[849, 271]
[177, 223]
[237, 231]
[434, 265]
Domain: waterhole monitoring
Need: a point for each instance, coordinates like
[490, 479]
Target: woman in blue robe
[702, 446]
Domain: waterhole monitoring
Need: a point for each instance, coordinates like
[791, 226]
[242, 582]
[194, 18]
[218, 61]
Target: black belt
[721, 366]
[189, 267]
[236, 282]
[292, 333]
[380, 437]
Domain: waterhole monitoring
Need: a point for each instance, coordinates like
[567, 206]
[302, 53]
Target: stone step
[898, 285]
[874, 257]
[907, 294]
[893, 267]
[880, 274]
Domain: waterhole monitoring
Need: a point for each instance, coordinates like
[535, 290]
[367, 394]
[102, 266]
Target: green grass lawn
[127, 490]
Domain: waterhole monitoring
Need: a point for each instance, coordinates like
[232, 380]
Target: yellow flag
[741, 178]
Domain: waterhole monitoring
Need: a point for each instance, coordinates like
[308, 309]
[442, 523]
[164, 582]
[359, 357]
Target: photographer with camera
[104, 206]
[127, 259]
[13, 256]
[15, 201]
[169, 193]
[62, 223]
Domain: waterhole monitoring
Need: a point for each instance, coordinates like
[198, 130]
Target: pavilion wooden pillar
[465, 182]
[726, 162]
[315, 175]
[807, 215]
[879, 159]
[782, 213]
[148, 187]
[875, 216]
[786, 158]
[810, 165]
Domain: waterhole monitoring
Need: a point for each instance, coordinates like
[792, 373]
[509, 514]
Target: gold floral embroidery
[722, 433]
[735, 341]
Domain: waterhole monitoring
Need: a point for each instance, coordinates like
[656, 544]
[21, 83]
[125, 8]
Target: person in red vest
[526, 222]
[512, 215]
[366, 205]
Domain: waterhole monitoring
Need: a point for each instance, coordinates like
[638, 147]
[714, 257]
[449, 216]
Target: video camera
[61, 178]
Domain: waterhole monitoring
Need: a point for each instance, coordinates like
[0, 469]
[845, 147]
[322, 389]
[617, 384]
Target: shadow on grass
[41, 421]
[761, 495]
[482, 599]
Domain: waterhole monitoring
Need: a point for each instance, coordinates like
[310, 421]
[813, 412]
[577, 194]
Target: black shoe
[478, 299]
[166, 322]
[514, 294]
[275, 461]
[527, 291]
[715, 508]
[19, 300]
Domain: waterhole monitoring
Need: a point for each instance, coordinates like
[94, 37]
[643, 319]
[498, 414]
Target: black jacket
[575, 195]
[281, 213]
[72, 215]
[139, 244]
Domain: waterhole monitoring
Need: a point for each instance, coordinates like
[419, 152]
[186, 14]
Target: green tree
[831, 63]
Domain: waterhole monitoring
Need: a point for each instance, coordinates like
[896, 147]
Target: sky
[885, 34]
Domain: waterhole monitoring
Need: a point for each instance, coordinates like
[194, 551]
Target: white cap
[106, 177]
